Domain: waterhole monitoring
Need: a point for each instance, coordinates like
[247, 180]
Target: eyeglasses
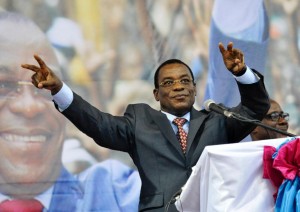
[276, 115]
[12, 89]
[169, 83]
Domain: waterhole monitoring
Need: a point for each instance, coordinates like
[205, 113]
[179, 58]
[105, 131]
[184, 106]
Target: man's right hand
[44, 77]
[233, 59]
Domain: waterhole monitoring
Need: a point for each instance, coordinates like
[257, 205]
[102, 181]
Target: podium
[229, 178]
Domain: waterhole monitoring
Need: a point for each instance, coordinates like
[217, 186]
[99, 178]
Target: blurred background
[108, 52]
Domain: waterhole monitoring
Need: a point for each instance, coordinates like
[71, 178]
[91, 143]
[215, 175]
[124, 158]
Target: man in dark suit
[149, 136]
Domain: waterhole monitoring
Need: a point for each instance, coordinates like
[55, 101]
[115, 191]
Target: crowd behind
[108, 54]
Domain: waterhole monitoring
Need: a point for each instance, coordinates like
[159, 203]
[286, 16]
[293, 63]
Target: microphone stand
[258, 123]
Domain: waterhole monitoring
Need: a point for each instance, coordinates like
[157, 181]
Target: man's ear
[155, 93]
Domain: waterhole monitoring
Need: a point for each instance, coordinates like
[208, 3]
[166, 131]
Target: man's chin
[24, 190]
[28, 176]
[183, 108]
[28, 173]
[26, 182]
[283, 128]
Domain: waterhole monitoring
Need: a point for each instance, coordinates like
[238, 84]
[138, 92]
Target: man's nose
[177, 85]
[26, 103]
[282, 121]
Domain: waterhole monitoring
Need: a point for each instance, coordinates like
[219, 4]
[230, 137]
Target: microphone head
[207, 104]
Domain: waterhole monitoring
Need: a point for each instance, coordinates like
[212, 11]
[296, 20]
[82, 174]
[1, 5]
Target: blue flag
[245, 23]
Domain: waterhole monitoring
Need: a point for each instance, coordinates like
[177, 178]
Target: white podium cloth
[228, 178]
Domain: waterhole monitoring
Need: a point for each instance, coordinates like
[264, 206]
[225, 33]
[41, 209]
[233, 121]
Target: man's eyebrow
[172, 77]
[184, 75]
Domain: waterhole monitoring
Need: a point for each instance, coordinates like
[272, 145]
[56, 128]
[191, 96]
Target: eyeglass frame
[277, 115]
[184, 81]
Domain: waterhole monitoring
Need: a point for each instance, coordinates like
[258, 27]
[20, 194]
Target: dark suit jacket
[147, 136]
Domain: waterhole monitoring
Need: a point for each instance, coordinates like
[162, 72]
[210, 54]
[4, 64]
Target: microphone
[210, 105]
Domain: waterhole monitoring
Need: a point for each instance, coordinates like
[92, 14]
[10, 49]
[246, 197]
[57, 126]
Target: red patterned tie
[17, 205]
[181, 134]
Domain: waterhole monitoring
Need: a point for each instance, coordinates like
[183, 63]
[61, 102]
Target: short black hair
[170, 61]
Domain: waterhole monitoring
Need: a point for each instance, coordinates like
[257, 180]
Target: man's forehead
[21, 34]
[19, 41]
[174, 70]
[22, 52]
[174, 65]
[275, 107]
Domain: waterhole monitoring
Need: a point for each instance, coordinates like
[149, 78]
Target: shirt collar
[44, 198]
[171, 117]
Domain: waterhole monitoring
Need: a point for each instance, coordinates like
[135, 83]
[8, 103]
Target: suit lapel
[197, 119]
[165, 127]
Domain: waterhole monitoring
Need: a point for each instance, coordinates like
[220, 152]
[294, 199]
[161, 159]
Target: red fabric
[288, 159]
[269, 171]
[181, 134]
[284, 166]
[31, 205]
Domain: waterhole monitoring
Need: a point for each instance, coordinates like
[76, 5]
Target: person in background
[164, 160]
[33, 134]
[275, 118]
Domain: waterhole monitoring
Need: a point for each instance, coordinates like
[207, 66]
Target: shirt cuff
[63, 98]
[249, 77]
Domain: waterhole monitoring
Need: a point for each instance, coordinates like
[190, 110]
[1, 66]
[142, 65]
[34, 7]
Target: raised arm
[44, 77]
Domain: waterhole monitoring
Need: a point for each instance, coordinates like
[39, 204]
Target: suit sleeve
[113, 132]
[254, 105]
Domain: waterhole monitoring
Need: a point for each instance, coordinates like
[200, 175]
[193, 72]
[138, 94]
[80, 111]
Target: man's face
[31, 130]
[281, 124]
[177, 98]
